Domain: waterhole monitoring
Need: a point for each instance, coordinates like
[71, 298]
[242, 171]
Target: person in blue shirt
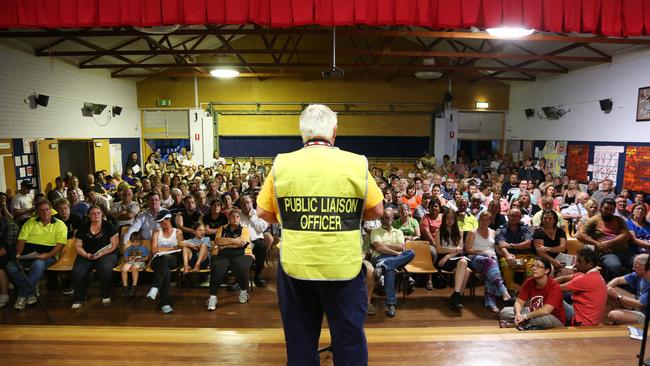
[135, 260]
[630, 306]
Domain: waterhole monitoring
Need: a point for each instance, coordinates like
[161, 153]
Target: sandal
[506, 324]
[187, 269]
[429, 286]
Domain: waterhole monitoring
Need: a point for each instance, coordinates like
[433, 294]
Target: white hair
[317, 121]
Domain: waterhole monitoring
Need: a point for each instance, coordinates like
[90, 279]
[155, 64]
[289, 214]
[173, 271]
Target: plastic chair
[422, 263]
[66, 259]
[573, 245]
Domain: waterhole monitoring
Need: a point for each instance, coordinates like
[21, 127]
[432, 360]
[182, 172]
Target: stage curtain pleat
[603, 17]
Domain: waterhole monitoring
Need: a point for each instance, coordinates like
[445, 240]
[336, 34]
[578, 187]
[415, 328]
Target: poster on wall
[637, 165]
[578, 162]
[606, 162]
[116, 158]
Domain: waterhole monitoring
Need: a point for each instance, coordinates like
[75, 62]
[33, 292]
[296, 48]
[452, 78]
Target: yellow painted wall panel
[348, 125]
[102, 154]
[48, 163]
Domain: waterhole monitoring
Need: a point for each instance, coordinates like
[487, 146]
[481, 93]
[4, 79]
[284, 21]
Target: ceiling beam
[355, 52]
[324, 65]
[365, 32]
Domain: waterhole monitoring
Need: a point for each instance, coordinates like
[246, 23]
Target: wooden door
[49, 167]
[102, 154]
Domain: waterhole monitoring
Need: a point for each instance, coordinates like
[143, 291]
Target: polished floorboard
[133, 331]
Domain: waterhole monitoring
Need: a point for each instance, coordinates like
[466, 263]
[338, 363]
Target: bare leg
[135, 272]
[203, 253]
[461, 276]
[187, 253]
[125, 274]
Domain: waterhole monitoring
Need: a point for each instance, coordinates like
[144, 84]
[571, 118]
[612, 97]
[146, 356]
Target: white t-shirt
[22, 202]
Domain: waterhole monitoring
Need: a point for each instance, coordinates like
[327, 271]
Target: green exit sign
[164, 102]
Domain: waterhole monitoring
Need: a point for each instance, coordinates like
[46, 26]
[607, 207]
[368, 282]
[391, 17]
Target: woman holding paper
[449, 246]
[166, 250]
[95, 243]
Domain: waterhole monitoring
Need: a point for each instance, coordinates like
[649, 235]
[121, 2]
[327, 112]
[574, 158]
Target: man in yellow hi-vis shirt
[320, 194]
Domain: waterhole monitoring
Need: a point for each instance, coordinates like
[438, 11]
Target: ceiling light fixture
[224, 73]
[510, 32]
[428, 75]
[482, 105]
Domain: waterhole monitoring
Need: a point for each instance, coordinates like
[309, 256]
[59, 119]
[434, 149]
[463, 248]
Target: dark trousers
[259, 251]
[103, 268]
[238, 263]
[162, 274]
[302, 304]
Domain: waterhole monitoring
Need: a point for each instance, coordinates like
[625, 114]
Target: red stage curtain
[604, 17]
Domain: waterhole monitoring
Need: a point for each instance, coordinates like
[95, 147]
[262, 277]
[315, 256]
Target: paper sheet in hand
[102, 250]
[32, 255]
[166, 252]
[635, 333]
[568, 260]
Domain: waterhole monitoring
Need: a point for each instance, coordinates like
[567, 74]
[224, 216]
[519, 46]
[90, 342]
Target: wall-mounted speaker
[529, 112]
[117, 110]
[606, 105]
[42, 100]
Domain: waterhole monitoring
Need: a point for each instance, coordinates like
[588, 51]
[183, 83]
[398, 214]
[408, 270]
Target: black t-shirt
[548, 242]
[189, 219]
[72, 224]
[208, 221]
[92, 243]
[499, 221]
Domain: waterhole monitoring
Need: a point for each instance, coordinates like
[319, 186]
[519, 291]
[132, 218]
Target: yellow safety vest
[321, 194]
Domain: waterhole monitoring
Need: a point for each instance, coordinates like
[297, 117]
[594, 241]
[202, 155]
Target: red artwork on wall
[577, 162]
[637, 165]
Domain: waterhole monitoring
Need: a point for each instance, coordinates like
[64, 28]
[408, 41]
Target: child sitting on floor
[195, 250]
[135, 259]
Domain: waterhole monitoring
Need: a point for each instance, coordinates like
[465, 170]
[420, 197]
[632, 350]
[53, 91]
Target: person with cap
[165, 248]
[145, 222]
[320, 194]
[23, 202]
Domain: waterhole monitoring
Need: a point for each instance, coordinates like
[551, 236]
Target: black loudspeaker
[42, 100]
[117, 111]
[606, 105]
[448, 97]
[529, 112]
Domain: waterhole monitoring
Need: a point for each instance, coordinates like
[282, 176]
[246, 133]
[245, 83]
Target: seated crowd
[493, 220]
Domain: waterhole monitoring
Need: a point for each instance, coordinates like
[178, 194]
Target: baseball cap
[163, 214]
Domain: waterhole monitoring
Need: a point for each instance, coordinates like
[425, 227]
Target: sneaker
[31, 300]
[212, 302]
[78, 305]
[259, 281]
[370, 310]
[243, 297]
[106, 300]
[20, 303]
[68, 291]
[167, 309]
[153, 293]
[4, 300]
[131, 291]
[390, 311]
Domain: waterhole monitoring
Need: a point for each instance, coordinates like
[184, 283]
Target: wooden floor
[424, 332]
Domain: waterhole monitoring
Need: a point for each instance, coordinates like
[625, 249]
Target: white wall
[580, 91]
[22, 74]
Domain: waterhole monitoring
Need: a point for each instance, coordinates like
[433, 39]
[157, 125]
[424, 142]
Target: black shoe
[390, 311]
[125, 291]
[131, 291]
[259, 281]
[455, 302]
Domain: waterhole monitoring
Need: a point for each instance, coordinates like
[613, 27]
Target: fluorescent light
[509, 32]
[428, 75]
[224, 73]
[482, 105]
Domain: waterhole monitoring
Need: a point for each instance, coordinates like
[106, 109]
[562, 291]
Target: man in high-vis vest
[320, 194]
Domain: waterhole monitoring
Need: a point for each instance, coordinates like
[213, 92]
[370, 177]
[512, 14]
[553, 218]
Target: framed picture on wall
[643, 105]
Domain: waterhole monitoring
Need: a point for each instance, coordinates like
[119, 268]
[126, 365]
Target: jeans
[104, 270]
[36, 267]
[391, 263]
[613, 264]
[569, 313]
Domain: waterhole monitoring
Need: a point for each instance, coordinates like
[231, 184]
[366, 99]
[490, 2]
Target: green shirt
[34, 232]
[408, 229]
